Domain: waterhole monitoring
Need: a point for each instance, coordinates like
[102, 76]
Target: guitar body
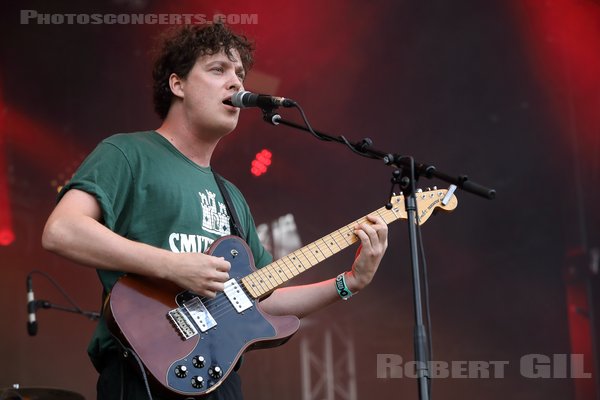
[157, 320]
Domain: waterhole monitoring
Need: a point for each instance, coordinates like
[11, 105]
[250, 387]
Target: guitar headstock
[428, 202]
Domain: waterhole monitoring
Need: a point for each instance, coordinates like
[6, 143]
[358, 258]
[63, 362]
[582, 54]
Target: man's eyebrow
[237, 67]
[215, 62]
[223, 62]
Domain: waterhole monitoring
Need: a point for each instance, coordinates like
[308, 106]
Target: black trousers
[121, 380]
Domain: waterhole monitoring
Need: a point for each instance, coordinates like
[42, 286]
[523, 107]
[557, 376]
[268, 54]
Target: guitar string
[221, 299]
[268, 271]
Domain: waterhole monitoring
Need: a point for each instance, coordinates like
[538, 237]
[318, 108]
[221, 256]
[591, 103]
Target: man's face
[213, 79]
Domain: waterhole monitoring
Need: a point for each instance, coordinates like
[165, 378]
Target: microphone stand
[93, 316]
[406, 176]
[34, 305]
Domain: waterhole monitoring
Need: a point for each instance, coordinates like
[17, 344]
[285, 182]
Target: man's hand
[201, 273]
[373, 238]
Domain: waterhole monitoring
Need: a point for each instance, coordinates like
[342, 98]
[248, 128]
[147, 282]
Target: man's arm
[74, 230]
[306, 299]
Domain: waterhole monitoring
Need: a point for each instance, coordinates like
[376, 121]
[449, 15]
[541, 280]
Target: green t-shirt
[151, 193]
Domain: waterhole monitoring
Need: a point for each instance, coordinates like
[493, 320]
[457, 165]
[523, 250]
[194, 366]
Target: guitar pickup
[201, 316]
[236, 296]
[182, 323]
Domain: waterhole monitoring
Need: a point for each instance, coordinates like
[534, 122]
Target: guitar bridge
[184, 326]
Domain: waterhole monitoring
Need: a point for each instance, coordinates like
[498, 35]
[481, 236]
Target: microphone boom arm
[364, 149]
[92, 315]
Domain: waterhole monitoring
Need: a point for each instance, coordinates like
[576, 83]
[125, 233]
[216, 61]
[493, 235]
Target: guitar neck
[266, 279]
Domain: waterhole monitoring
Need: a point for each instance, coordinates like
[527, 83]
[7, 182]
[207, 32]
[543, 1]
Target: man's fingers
[208, 293]
[377, 231]
[223, 265]
[221, 276]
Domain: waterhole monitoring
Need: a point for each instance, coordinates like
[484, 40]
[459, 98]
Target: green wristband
[342, 288]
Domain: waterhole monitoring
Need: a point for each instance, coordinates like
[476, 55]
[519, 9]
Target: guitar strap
[233, 217]
[235, 227]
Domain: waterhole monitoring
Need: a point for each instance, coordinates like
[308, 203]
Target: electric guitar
[189, 344]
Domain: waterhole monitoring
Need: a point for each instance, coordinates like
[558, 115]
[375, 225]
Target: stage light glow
[261, 162]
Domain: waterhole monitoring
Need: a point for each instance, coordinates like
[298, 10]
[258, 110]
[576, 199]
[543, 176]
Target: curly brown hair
[180, 49]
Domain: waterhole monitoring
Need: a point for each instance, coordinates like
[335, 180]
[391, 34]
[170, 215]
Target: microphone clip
[271, 116]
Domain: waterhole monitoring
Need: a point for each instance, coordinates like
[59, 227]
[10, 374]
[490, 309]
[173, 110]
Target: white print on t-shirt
[183, 243]
[213, 220]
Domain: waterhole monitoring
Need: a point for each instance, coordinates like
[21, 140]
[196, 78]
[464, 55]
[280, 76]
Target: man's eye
[218, 69]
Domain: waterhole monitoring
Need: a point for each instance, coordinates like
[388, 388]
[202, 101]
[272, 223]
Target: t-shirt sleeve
[106, 174]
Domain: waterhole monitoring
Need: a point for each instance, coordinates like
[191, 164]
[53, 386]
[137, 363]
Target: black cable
[426, 290]
[326, 139]
[58, 287]
[144, 377]
[129, 351]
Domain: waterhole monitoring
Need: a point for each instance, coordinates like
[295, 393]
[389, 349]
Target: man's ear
[176, 85]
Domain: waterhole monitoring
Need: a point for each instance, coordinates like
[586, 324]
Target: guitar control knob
[198, 361]
[181, 371]
[197, 382]
[215, 372]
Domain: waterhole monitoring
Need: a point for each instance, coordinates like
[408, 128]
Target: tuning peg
[435, 188]
[419, 190]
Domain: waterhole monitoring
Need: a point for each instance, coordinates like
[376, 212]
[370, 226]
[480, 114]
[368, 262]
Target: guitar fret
[274, 274]
[257, 282]
[326, 246]
[331, 242]
[271, 277]
[250, 287]
[349, 235]
[307, 253]
[294, 271]
[316, 252]
[264, 280]
[300, 252]
[283, 268]
[379, 213]
[387, 215]
[255, 278]
[340, 239]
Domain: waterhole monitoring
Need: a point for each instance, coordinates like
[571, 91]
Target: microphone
[31, 308]
[245, 99]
